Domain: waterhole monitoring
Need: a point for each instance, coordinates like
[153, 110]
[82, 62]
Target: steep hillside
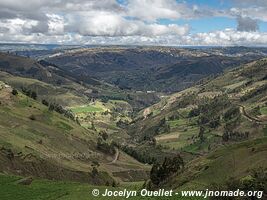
[37, 141]
[246, 160]
[243, 88]
[224, 111]
[66, 83]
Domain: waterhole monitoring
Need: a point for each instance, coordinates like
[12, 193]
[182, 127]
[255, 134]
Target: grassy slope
[184, 130]
[199, 174]
[74, 100]
[49, 135]
[52, 138]
[233, 83]
[48, 190]
[54, 86]
[49, 92]
[231, 161]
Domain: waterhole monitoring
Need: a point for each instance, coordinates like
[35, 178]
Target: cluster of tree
[29, 93]
[105, 99]
[174, 116]
[46, 64]
[14, 92]
[256, 111]
[121, 124]
[104, 146]
[209, 120]
[95, 165]
[234, 135]
[232, 113]
[187, 99]
[104, 135]
[254, 93]
[170, 166]
[213, 105]
[210, 110]
[139, 155]
[232, 118]
[194, 112]
[59, 109]
[201, 134]
[161, 127]
[112, 184]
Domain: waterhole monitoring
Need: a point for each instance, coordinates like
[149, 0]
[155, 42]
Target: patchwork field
[86, 109]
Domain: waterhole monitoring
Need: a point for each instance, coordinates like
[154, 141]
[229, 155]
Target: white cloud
[135, 22]
[229, 37]
[56, 24]
[151, 10]
[247, 24]
[112, 24]
[17, 25]
[258, 13]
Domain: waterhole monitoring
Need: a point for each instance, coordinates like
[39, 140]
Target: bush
[94, 171]
[32, 117]
[105, 147]
[14, 92]
[33, 95]
[233, 112]
[45, 102]
[29, 93]
[170, 166]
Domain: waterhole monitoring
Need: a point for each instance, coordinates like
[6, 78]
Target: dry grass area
[168, 137]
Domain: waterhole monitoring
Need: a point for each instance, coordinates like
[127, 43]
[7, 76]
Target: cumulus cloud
[112, 24]
[230, 37]
[247, 24]
[258, 13]
[132, 22]
[152, 10]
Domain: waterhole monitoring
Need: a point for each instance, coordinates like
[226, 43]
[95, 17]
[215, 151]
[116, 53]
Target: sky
[135, 22]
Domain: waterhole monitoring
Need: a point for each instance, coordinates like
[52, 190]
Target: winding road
[250, 118]
[116, 156]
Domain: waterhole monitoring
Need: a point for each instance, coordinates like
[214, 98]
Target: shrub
[45, 102]
[32, 117]
[14, 92]
[170, 166]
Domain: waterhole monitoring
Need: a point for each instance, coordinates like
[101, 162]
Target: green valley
[63, 134]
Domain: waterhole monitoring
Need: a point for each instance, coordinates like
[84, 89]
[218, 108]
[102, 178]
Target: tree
[93, 126]
[32, 117]
[94, 171]
[51, 107]
[225, 136]
[45, 102]
[33, 95]
[201, 134]
[170, 166]
[154, 174]
[104, 135]
[113, 183]
[14, 92]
